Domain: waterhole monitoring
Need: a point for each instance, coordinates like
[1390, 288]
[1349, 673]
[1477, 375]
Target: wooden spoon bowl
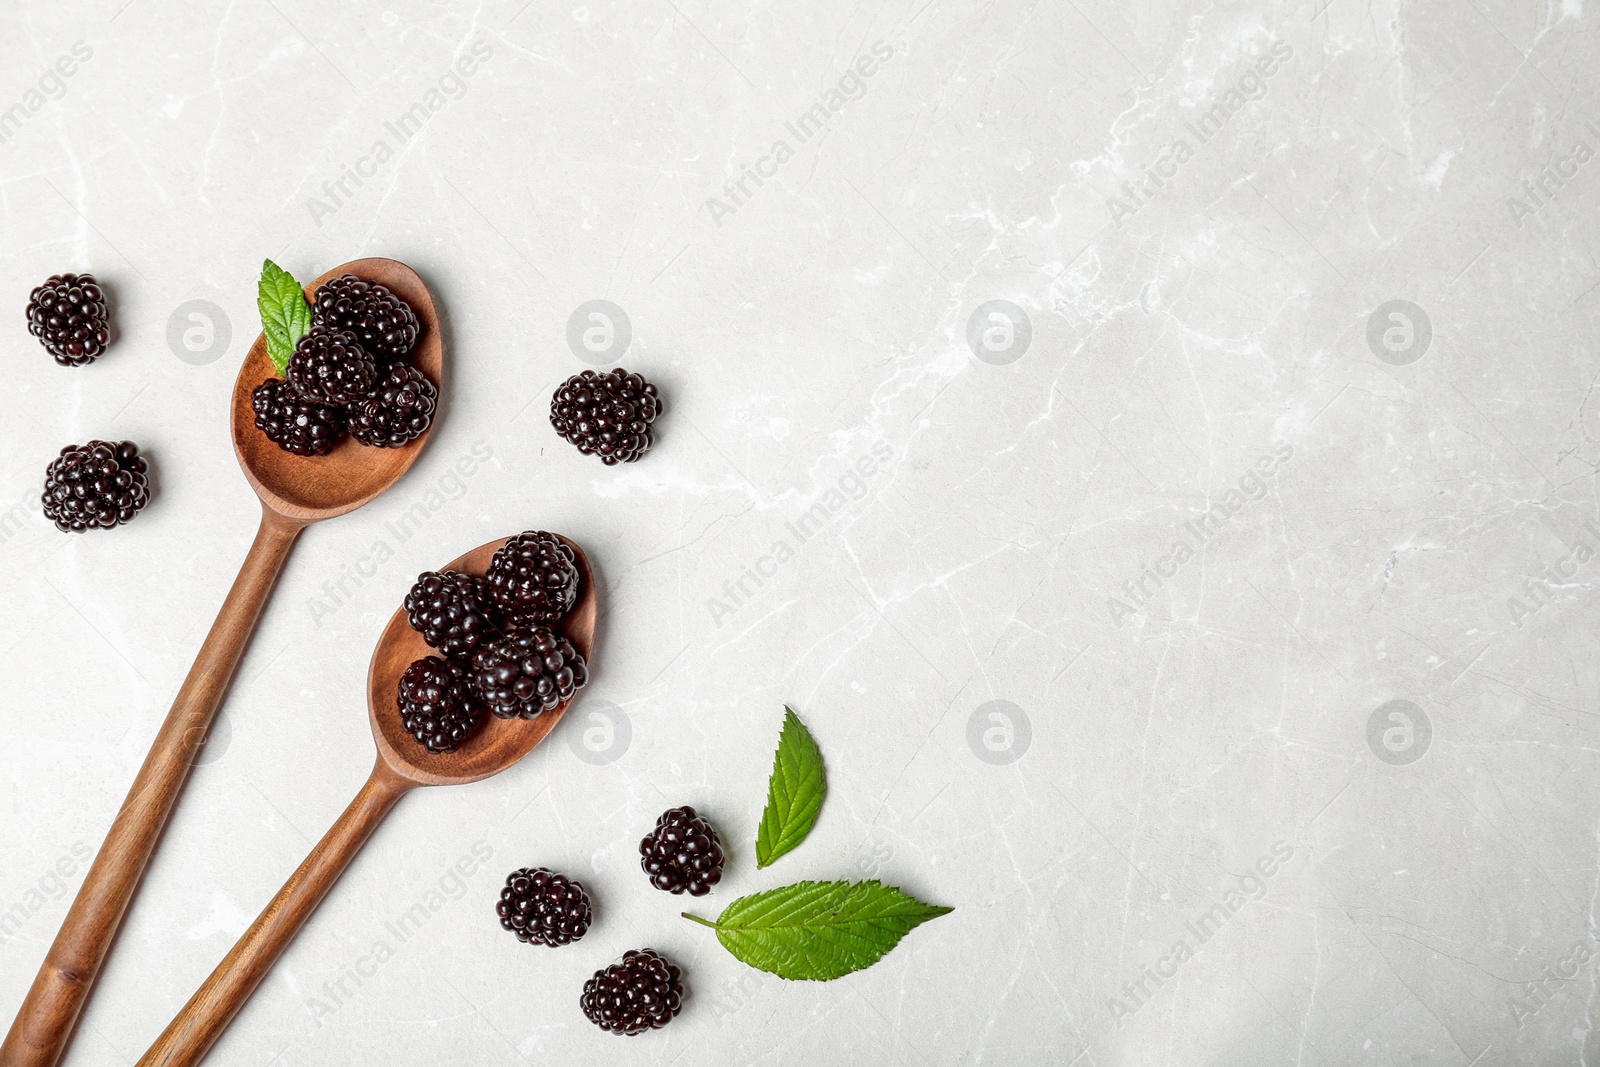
[402, 765]
[320, 487]
[500, 742]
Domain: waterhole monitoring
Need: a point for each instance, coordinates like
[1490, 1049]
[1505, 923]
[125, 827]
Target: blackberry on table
[397, 412]
[682, 853]
[534, 579]
[95, 486]
[452, 611]
[544, 908]
[329, 366]
[606, 415]
[68, 315]
[641, 992]
[437, 705]
[527, 672]
[383, 323]
[294, 423]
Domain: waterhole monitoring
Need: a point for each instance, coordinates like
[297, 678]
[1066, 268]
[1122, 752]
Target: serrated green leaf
[285, 315]
[817, 931]
[794, 794]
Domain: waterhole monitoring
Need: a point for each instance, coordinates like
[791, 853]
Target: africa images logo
[1252, 885]
[51, 85]
[1399, 733]
[1549, 184]
[852, 486]
[451, 85]
[852, 85]
[1558, 578]
[1251, 85]
[1196, 533]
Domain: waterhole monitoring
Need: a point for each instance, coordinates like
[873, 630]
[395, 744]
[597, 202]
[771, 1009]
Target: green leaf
[285, 315]
[794, 794]
[817, 931]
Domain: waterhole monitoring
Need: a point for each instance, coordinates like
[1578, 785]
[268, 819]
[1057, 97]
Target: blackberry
[383, 323]
[534, 579]
[452, 612]
[682, 853]
[544, 908]
[68, 315]
[398, 411]
[101, 484]
[293, 423]
[329, 366]
[437, 705]
[643, 992]
[527, 672]
[607, 415]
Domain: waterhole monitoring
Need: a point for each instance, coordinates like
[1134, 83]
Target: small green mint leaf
[794, 794]
[818, 931]
[285, 315]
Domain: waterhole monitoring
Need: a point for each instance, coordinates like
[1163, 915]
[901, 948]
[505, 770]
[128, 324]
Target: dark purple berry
[397, 412]
[329, 366]
[642, 992]
[383, 323]
[69, 317]
[682, 853]
[527, 672]
[437, 705]
[452, 612]
[534, 579]
[544, 908]
[293, 423]
[95, 486]
[606, 415]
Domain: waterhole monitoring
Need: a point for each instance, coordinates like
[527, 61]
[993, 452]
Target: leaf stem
[696, 918]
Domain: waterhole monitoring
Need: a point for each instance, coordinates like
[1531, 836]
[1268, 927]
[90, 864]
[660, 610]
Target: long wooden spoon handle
[43, 1026]
[196, 1028]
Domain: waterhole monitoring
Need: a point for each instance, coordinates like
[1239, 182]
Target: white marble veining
[1211, 621]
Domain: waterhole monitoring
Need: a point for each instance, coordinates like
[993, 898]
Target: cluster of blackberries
[103, 483]
[69, 317]
[349, 373]
[643, 991]
[606, 415]
[499, 636]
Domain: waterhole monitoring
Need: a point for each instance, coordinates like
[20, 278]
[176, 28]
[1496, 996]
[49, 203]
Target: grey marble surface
[1152, 445]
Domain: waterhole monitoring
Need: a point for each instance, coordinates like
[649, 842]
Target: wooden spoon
[402, 765]
[295, 491]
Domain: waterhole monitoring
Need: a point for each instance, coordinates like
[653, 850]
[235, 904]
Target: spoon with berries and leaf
[469, 676]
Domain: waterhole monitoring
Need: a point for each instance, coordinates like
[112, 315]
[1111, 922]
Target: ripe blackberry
[293, 423]
[607, 415]
[544, 908]
[534, 579]
[329, 366]
[437, 705]
[398, 411]
[682, 853]
[383, 323]
[452, 612]
[527, 672]
[101, 484]
[642, 992]
[68, 315]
